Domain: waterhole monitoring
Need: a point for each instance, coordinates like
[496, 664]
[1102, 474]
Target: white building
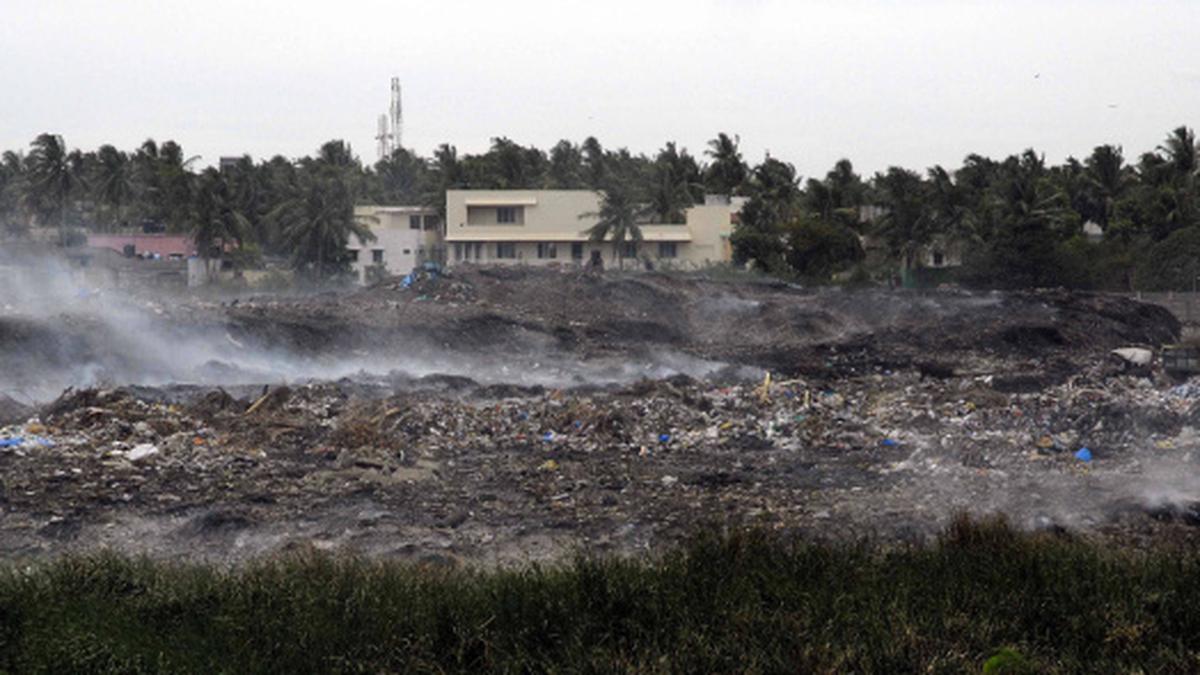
[548, 227]
[405, 238]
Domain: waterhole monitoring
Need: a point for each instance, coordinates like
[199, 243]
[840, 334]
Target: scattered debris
[840, 414]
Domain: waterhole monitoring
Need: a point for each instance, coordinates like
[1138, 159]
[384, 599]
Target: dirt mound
[764, 325]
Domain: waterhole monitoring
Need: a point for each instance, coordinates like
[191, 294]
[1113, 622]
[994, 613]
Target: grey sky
[890, 82]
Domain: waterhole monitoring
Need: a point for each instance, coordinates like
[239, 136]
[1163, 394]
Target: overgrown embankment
[747, 603]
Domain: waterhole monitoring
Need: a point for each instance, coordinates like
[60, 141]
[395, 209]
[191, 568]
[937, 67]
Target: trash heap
[470, 473]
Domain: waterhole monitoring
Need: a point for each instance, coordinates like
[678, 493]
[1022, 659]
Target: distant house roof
[165, 245]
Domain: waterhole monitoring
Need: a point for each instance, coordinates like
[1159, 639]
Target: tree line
[1018, 221]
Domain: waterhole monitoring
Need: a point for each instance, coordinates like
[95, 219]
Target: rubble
[836, 414]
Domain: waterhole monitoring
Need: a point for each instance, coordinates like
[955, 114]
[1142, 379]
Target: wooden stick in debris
[257, 404]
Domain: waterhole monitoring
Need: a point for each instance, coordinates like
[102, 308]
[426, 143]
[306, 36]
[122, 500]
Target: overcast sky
[912, 82]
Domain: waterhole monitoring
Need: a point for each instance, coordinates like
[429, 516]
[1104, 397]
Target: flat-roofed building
[551, 227]
[405, 238]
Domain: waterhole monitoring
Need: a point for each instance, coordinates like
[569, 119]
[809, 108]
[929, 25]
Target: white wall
[402, 247]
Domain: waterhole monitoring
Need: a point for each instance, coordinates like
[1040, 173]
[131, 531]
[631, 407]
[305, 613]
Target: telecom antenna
[397, 112]
[383, 143]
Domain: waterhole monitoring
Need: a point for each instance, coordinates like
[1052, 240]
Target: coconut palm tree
[216, 222]
[565, 171]
[906, 224]
[12, 190]
[1181, 151]
[618, 219]
[400, 177]
[509, 166]
[728, 171]
[675, 185]
[52, 180]
[112, 181]
[759, 237]
[595, 163]
[1183, 157]
[317, 219]
[176, 183]
[836, 198]
[1106, 178]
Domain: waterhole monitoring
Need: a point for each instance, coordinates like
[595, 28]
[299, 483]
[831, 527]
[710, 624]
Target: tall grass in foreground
[746, 602]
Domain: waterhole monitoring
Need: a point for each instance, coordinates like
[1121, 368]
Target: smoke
[59, 328]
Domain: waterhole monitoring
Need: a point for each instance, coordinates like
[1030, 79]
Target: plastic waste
[1083, 455]
[888, 442]
[142, 451]
[664, 438]
[1136, 356]
[11, 442]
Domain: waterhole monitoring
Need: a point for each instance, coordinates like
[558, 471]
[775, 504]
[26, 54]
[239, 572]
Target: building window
[377, 255]
[938, 259]
[510, 215]
[506, 251]
[666, 249]
[457, 252]
[414, 222]
[431, 222]
[547, 250]
[353, 255]
[479, 250]
[629, 249]
[408, 251]
[576, 251]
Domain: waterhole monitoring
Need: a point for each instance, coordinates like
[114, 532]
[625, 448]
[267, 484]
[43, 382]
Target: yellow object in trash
[764, 391]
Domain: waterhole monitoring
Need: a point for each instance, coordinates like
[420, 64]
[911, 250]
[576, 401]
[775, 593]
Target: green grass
[749, 602]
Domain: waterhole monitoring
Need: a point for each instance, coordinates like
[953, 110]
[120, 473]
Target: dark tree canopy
[1105, 220]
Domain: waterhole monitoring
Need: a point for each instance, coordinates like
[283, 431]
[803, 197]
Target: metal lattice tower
[397, 114]
[382, 138]
[391, 125]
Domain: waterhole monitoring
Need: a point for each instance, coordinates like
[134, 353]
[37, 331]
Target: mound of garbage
[505, 414]
[455, 470]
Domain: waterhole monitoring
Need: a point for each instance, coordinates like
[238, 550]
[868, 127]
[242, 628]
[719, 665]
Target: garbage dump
[504, 415]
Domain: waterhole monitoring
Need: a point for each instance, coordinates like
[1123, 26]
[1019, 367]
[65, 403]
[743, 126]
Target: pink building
[164, 245]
